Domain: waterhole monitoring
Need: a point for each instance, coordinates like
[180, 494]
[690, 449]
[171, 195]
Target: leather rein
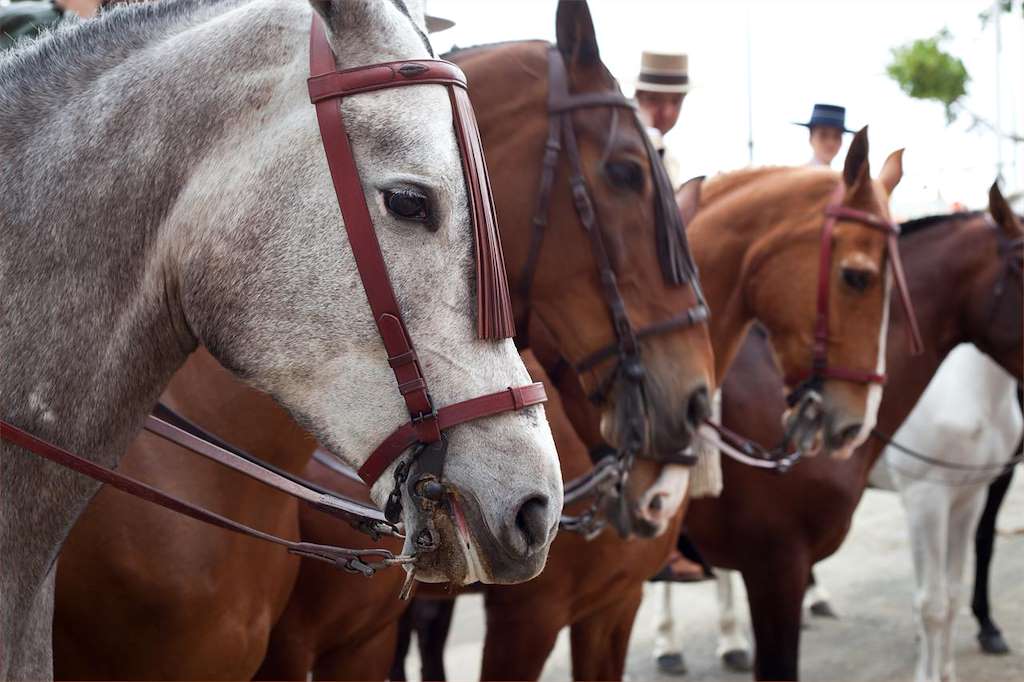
[610, 476]
[425, 429]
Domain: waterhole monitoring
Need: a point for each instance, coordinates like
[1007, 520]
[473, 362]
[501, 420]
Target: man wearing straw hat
[661, 87]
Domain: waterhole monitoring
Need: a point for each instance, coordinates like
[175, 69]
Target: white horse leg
[963, 520]
[927, 515]
[668, 652]
[733, 647]
[818, 601]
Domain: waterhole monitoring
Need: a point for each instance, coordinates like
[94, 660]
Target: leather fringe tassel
[677, 265]
[494, 306]
[706, 476]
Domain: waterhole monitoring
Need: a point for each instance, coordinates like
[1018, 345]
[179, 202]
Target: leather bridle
[820, 369]
[674, 255]
[427, 424]
[675, 261]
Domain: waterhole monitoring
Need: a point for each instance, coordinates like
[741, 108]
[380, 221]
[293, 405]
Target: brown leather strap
[362, 237]
[345, 558]
[468, 410]
[172, 427]
[820, 367]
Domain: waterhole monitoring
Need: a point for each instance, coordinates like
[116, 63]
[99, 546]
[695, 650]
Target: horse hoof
[823, 609]
[993, 643]
[672, 664]
[737, 660]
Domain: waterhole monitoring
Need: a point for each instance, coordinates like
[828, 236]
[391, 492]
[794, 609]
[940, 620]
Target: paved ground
[870, 581]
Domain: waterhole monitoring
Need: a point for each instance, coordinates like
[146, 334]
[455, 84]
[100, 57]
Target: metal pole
[997, 10]
[750, 96]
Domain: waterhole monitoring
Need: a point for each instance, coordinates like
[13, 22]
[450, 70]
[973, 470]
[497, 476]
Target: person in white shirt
[661, 88]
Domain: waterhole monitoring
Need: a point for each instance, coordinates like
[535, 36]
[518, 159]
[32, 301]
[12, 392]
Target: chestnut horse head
[985, 306]
[997, 306]
[552, 260]
[764, 229]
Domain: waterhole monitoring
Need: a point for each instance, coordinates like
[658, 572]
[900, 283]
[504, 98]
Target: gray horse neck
[96, 152]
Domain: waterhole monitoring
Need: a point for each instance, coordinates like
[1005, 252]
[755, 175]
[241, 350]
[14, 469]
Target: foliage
[925, 71]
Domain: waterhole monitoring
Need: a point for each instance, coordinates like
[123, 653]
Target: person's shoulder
[25, 18]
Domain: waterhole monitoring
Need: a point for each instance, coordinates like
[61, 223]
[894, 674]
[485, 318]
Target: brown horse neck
[740, 212]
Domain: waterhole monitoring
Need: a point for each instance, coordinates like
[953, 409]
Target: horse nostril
[532, 522]
[698, 408]
[849, 433]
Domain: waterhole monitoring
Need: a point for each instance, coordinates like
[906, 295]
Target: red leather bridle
[327, 86]
[820, 368]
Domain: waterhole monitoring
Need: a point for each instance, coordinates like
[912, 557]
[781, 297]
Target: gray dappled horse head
[165, 186]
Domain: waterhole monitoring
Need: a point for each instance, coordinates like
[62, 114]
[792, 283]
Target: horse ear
[1003, 214]
[688, 198]
[856, 167]
[892, 171]
[577, 40]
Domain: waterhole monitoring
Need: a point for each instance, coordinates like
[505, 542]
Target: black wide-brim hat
[828, 115]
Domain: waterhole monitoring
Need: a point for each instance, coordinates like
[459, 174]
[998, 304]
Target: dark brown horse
[194, 602]
[774, 528]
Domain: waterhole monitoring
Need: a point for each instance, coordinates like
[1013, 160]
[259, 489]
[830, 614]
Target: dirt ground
[870, 580]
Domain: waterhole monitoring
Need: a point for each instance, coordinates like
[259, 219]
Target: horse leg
[600, 641]
[963, 521]
[432, 619]
[989, 636]
[368, 660]
[668, 652]
[519, 640]
[733, 647]
[402, 641]
[817, 600]
[775, 592]
[927, 513]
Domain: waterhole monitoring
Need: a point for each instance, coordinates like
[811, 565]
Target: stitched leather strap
[820, 367]
[345, 558]
[468, 410]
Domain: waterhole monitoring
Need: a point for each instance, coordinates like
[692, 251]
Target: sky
[801, 52]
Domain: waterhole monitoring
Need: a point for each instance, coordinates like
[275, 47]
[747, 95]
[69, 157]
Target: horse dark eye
[625, 174]
[408, 205]
[857, 279]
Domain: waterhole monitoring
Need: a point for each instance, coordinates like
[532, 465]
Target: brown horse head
[554, 269]
[759, 236]
[994, 285]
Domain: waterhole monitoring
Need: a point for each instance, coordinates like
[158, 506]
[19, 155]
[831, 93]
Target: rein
[996, 469]
[425, 429]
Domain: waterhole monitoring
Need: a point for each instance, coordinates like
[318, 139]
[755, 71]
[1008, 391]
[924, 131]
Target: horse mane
[925, 222]
[457, 51]
[39, 73]
[724, 183]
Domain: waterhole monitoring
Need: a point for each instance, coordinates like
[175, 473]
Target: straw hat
[663, 72]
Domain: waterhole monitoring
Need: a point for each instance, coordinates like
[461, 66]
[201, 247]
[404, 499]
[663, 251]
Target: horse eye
[625, 174]
[857, 279]
[408, 205]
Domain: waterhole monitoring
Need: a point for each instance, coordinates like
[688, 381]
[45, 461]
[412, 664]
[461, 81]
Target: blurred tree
[926, 71]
